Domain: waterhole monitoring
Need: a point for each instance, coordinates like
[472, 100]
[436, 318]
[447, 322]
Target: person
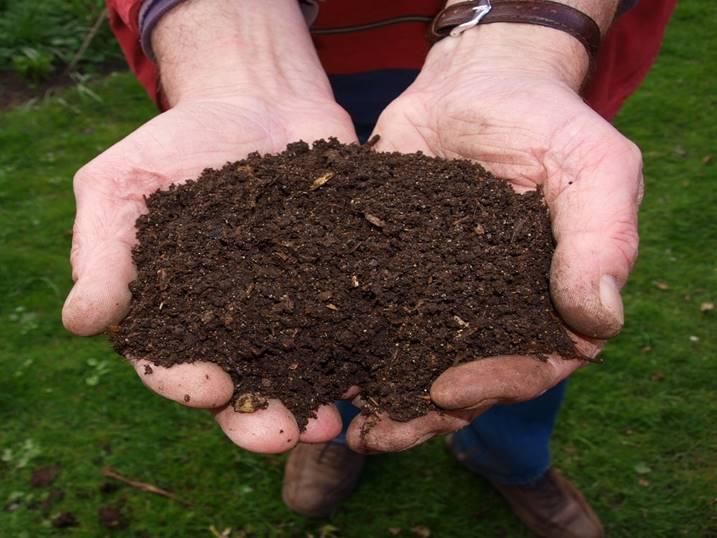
[236, 76]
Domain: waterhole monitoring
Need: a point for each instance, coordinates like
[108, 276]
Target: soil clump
[323, 267]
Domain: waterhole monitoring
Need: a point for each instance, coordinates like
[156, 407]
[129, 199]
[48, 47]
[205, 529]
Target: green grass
[637, 434]
[38, 39]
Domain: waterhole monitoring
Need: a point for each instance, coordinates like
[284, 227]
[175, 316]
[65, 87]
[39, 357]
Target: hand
[515, 109]
[211, 122]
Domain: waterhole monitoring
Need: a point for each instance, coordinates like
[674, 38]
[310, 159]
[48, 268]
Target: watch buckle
[480, 11]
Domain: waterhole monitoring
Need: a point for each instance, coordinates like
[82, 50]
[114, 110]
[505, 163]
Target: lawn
[638, 434]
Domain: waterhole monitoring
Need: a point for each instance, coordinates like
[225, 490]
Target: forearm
[215, 48]
[534, 49]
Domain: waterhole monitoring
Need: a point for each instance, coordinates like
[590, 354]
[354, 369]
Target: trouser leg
[510, 444]
[348, 412]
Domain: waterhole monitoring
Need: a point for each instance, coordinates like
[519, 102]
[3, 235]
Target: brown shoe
[319, 477]
[553, 508]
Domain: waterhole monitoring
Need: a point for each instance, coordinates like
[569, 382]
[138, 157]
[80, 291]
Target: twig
[226, 533]
[87, 41]
[373, 140]
[373, 219]
[109, 472]
[320, 180]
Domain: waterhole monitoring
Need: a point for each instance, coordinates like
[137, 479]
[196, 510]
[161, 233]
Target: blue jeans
[509, 444]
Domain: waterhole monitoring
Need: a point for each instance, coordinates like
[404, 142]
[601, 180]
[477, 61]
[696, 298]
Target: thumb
[502, 379]
[595, 226]
[101, 257]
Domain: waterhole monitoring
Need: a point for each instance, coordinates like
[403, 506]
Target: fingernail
[611, 300]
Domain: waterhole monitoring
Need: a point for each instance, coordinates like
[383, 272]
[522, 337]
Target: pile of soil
[307, 272]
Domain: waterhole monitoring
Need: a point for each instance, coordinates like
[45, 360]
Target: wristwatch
[456, 19]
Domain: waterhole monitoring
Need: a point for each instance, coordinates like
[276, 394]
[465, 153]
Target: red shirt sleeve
[124, 21]
[626, 55]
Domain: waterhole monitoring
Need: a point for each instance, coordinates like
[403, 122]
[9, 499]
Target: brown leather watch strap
[540, 12]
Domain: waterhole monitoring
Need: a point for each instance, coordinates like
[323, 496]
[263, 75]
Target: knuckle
[626, 240]
[629, 152]
[83, 177]
[634, 154]
[633, 160]
[76, 251]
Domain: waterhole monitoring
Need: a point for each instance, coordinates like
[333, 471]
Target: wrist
[531, 49]
[215, 49]
[505, 49]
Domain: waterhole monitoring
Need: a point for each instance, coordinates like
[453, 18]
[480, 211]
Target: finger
[101, 256]
[268, 431]
[198, 384]
[324, 427]
[374, 434]
[101, 296]
[589, 348]
[507, 379]
[595, 225]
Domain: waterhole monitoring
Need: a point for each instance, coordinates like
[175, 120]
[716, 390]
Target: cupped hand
[110, 191]
[525, 122]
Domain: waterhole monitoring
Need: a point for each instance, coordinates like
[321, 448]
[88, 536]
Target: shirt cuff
[149, 15]
[625, 5]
